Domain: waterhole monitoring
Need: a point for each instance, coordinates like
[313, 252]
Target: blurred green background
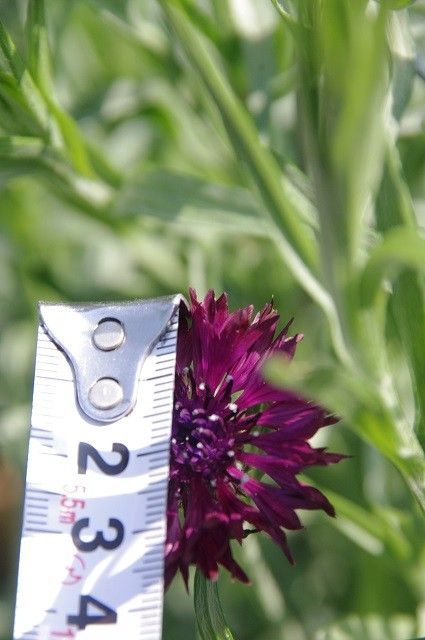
[118, 181]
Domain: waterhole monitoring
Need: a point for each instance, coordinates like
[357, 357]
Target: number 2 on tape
[91, 557]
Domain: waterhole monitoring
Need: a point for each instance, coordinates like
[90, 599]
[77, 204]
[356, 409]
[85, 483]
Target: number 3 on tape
[94, 526]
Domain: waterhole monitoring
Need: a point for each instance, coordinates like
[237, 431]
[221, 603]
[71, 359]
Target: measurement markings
[169, 345]
[56, 379]
[151, 561]
[157, 567]
[45, 439]
[155, 463]
[153, 536]
[155, 513]
[32, 502]
[46, 364]
[60, 455]
[168, 353]
[38, 507]
[160, 376]
[159, 406]
[156, 474]
[166, 393]
[167, 336]
[155, 509]
[154, 490]
[149, 453]
[166, 365]
[159, 430]
[154, 530]
[165, 420]
[153, 520]
[154, 589]
[152, 573]
[165, 361]
[147, 600]
[47, 358]
[157, 439]
[150, 626]
[36, 530]
[152, 634]
[161, 413]
[158, 512]
[155, 503]
[171, 331]
[151, 583]
[42, 491]
[137, 609]
[151, 616]
[162, 384]
[168, 405]
[163, 456]
[158, 465]
[45, 391]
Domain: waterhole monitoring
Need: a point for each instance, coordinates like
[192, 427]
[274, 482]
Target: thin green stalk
[289, 20]
[294, 239]
[210, 619]
[264, 170]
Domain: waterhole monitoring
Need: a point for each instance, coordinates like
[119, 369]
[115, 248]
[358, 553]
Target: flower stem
[210, 619]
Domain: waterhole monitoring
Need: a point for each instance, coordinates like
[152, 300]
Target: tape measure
[94, 524]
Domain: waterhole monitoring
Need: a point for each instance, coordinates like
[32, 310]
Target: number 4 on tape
[94, 526]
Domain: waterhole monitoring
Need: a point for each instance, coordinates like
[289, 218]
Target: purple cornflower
[228, 421]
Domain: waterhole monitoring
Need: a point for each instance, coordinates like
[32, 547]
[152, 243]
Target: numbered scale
[94, 526]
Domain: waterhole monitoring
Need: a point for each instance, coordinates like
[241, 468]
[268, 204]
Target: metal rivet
[108, 335]
[106, 393]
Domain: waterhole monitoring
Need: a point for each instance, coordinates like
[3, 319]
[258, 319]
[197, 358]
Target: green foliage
[265, 148]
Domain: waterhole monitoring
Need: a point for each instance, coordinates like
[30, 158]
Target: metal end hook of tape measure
[106, 351]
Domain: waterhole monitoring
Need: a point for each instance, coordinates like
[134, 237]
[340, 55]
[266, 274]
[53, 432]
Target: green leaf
[300, 247]
[193, 203]
[401, 247]
[38, 49]
[371, 627]
[407, 304]
[209, 614]
[40, 69]
[402, 47]
[23, 85]
[25, 155]
[375, 532]
[9, 51]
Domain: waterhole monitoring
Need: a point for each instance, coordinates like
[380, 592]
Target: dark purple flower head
[228, 421]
